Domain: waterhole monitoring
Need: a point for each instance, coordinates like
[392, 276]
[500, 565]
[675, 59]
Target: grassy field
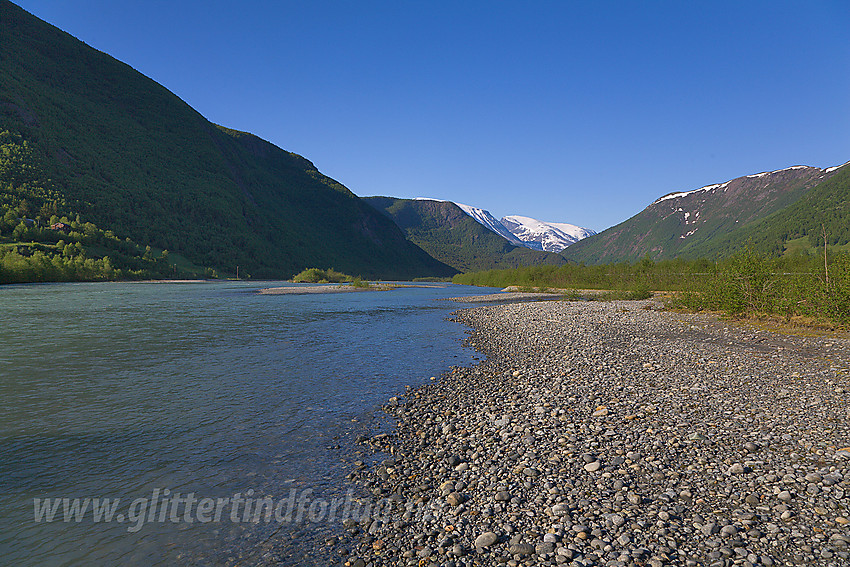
[803, 246]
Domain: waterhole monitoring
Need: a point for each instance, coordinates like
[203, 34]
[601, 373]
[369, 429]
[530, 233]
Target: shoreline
[313, 289]
[299, 289]
[616, 434]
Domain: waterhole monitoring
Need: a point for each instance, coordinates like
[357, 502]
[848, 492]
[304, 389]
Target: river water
[128, 397]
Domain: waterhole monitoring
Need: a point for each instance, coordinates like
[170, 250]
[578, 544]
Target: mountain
[549, 236]
[448, 233]
[691, 223]
[124, 153]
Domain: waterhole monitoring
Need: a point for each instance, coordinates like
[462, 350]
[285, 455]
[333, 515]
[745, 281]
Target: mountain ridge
[798, 228]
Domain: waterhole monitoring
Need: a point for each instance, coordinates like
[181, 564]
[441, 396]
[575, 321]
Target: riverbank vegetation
[745, 284]
[317, 275]
[749, 284]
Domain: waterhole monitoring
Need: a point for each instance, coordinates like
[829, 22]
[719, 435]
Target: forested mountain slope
[132, 158]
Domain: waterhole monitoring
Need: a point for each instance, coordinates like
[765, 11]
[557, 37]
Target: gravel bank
[505, 297]
[616, 434]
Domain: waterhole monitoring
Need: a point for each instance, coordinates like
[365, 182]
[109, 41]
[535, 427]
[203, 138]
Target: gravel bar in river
[615, 434]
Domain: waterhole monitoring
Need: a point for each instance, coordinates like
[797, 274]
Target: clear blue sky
[580, 112]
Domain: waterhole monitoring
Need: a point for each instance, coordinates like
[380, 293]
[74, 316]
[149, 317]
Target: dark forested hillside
[128, 156]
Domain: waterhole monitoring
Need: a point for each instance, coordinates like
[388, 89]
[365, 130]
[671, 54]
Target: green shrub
[316, 275]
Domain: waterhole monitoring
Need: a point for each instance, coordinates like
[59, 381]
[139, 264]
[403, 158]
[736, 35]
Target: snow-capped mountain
[526, 231]
[549, 236]
[529, 232]
[488, 220]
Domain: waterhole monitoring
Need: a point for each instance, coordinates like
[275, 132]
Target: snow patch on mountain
[831, 169]
[685, 193]
[778, 171]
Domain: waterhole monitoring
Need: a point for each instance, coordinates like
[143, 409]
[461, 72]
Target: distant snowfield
[525, 231]
[551, 236]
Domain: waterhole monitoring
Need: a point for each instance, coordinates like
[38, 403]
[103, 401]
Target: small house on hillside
[61, 227]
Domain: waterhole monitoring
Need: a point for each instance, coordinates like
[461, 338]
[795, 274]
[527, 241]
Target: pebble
[521, 549]
[454, 499]
[601, 411]
[737, 468]
[486, 540]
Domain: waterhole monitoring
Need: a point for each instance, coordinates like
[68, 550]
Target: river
[122, 397]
